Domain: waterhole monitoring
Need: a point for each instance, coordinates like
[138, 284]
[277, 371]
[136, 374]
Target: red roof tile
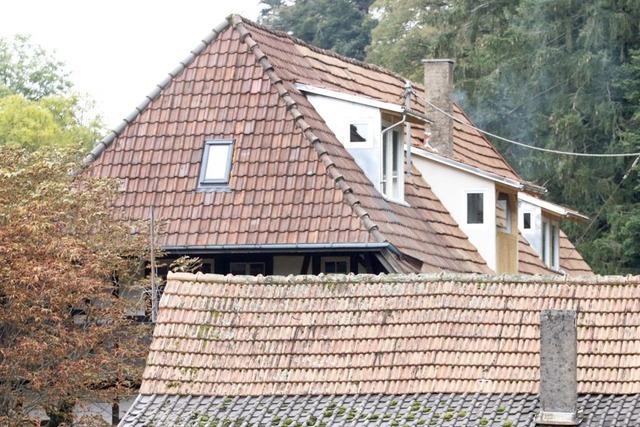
[391, 334]
[286, 164]
[570, 259]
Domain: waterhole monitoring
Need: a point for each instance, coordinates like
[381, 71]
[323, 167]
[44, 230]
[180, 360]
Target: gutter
[553, 208]
[296, 247]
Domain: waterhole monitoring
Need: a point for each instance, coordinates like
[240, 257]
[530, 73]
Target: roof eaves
[283, 247]
[102, 145]
[332, 170]
[553, 207]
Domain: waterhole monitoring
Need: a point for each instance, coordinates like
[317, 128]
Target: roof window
[216, 163]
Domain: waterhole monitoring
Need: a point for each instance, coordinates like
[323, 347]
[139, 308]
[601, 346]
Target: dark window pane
[475, 208]
[256, 268]
[554, 232]
[330, 267]
[341, 267]
[544, 242]
[394, 153]
[239, 268]
[358, 133]
[527, 220]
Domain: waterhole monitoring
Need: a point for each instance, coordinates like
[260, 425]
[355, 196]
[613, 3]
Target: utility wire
[615, 190]
[532, 147]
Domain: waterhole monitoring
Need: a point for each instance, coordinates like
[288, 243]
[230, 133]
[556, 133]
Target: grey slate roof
[446, 410]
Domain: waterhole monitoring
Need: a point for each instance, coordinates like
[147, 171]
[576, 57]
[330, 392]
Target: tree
[343, 26]
[65, 259]
[29, 70]
[47, 122]
[544, 72]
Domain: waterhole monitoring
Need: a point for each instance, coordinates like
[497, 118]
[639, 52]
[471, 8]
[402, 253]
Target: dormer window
[475, 208]
[216, 163]
[392, 181]
[358, 133]
[550, 244]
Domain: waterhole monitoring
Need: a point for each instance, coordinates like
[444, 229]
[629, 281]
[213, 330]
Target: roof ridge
[105, 142]
[341, 183]
[328, 52]
[403, 278]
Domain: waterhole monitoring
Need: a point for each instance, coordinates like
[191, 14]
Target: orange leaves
[60, 247]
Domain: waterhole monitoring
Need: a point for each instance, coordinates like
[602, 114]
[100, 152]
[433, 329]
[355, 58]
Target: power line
[522, 144]
[615, 190]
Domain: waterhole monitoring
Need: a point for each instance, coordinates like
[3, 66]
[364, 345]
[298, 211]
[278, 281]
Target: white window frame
[524, 223]
[393, 192]
[247, 268]
[550, 243]
[368, 138]
[335, 259]
[202, 181]
[508, 213]
[484, 208]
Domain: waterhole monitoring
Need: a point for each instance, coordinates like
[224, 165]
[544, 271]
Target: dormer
[539, 223]
[371, 131]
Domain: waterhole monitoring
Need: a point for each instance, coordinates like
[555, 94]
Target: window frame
[526, 225]
[392, 183]
[466, 205]
[224, 182]
[367, 137]
[335, 259]
[247, 267]
[550, 243]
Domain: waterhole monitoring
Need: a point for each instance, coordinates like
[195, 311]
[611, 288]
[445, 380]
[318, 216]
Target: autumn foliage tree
[65, 258]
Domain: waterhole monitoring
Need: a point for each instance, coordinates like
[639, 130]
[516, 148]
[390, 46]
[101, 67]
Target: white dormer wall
[533, 234]
[339, 114]
[451, 186]
[547, 248]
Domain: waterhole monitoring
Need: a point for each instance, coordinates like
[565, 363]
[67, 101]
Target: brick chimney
[558, 360]
[438, 83]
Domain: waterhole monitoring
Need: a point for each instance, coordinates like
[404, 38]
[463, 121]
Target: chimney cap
[426, 61]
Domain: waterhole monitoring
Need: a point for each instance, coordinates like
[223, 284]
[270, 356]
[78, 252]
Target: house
[264, 155]
[383, 350]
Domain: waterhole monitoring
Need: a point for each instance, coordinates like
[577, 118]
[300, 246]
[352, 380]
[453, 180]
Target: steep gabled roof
[292, 181]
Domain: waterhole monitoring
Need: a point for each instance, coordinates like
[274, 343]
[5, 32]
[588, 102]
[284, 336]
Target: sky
[118, 50]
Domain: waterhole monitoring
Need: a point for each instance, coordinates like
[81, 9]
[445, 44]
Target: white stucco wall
[534, 234]
[338, 114]
[451, 186]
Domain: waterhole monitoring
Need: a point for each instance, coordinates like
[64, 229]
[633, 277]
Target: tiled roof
[442, 410]
[570, 259]
[529, 262]
[393, 334]
[292, 181]
[303, 63]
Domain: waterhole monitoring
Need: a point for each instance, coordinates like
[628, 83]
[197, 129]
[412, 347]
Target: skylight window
[216, 163]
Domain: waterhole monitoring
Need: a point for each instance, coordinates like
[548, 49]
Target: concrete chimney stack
[558, 360]
[438, 83]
